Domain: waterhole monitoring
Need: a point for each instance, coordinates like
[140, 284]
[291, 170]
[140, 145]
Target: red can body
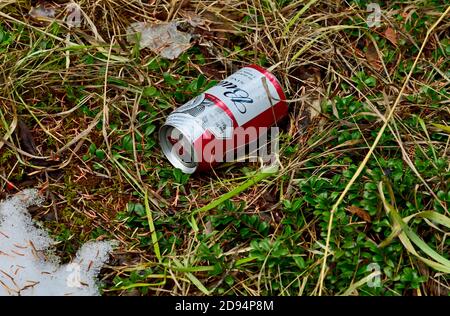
[227, 116]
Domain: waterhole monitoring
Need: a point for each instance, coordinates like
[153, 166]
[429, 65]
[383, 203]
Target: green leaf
[200, 82]
[92, 149]
[100, 154]
[169, 79]
[149, 130]
[300, 262]
[137, 208]
[370, 81]
[127, 143]
[150, 92]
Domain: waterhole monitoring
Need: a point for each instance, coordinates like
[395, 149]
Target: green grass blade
[355, 286]
[297, 16]
[424, 127]
[197, 283]
[244, 186]
[193, 223]
[152, 227]
[192, 278]
[408, 237]
[442, 127]
[431, 215]
[419, 242]
[321, 33]
[244, 261]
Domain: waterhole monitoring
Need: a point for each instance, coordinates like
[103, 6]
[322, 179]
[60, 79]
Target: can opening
[177, 148]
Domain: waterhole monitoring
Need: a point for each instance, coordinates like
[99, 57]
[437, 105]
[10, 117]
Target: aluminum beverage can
[199, 133]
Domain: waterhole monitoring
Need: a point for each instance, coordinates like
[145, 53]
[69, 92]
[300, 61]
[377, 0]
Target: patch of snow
[27, 264]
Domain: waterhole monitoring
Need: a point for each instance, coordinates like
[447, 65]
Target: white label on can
[245, 94]
[190, 126]
[201, 114]
[218, 122]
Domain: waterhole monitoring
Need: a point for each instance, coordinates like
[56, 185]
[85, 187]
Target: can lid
[178, 148]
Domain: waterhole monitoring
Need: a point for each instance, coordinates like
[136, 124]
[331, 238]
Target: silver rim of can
[175, 159]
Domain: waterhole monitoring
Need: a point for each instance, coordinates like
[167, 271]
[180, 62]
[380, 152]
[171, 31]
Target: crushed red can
[213, 126]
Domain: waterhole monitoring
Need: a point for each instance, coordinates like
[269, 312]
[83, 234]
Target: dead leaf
[391, 35]
[372, 56]
[43, 12]
[208, 228]
[26, 139]
[362, 214]
[192, 18]
[162, 38]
